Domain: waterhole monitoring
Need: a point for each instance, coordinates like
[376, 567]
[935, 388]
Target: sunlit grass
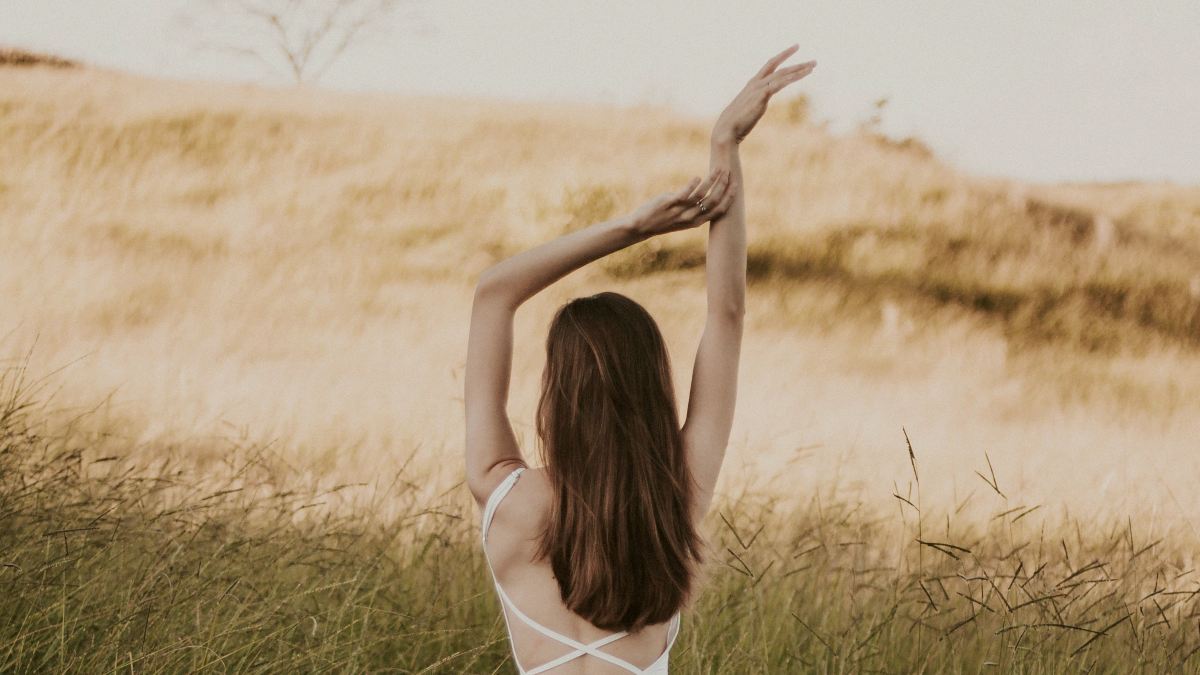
[250, 306]
[113, 564]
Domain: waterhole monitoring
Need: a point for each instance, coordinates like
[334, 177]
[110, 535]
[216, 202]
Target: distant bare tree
[300, 37]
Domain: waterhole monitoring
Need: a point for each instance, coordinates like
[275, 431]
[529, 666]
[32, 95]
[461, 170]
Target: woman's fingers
[785, 77]
[726, 202]
[717, 207]
[705, 202]
[779, 58]
[718, 192]
[685, 196]
[693, 196]
[698, 211]
[790, 70]
[682, 195]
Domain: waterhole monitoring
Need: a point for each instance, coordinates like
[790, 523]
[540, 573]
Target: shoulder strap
[489, 510]
[672, 633]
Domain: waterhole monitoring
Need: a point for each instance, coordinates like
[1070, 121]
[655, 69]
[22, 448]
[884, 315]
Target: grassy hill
[245, 311]
[276, 261]
[175, 179]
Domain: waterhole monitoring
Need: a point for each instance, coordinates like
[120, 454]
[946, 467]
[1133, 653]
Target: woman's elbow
[487, 283]
[730, 312]
[732, 307]
[491, 289]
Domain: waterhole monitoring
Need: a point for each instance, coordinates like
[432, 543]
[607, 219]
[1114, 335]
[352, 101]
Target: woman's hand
[686, 208]
[740, 116]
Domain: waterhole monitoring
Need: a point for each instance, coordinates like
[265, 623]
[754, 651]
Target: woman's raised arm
[714, 376]
[491, 447]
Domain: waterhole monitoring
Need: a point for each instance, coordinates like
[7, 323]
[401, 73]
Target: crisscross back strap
[580, 648]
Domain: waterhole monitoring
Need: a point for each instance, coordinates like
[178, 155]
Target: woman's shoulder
[527, 501]
[535, 487]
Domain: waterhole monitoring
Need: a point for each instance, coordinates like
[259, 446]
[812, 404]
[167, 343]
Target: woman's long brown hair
[620, 537]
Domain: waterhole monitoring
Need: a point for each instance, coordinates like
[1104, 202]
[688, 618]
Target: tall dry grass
[266, 291]
[115, 563]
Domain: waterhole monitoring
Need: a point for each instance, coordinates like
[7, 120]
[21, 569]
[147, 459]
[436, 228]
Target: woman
[595, 554]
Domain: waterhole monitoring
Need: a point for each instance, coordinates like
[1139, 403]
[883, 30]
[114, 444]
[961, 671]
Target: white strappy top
[659, 667]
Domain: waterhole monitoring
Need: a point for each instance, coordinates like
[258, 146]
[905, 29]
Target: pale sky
[1033, 89]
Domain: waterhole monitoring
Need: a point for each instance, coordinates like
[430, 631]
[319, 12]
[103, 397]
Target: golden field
[200, 271]
[296, 265]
